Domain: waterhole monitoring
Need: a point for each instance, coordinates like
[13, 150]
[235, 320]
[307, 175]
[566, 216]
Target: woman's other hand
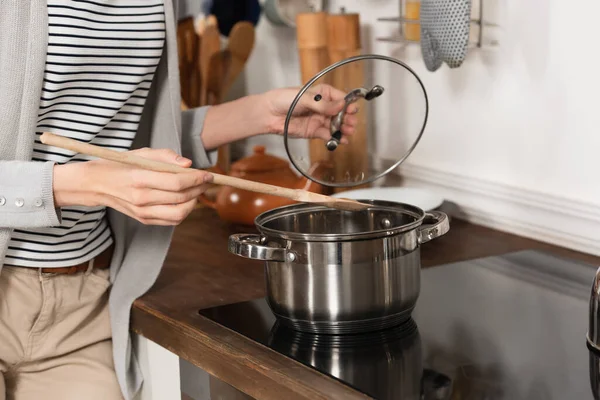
[311, 118]
[152, 198]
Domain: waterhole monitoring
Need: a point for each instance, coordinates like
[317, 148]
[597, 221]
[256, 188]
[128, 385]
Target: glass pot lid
[356, 121]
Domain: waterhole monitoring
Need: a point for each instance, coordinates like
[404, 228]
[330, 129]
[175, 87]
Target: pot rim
[279, 212]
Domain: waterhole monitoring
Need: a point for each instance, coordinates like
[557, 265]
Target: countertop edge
[252, 368]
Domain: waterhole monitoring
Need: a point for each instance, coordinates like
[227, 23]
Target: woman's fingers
[321, 133]
[150, 197]
[167, 181]
[325, 105]
[350, 121]
[174, 214]
[164, 180]
[352, 109]
[155, 215]
[347, 132]
[156, 198]
[331, 101]
[164, 155]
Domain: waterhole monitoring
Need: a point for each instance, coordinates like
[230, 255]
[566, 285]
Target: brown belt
[101, 261]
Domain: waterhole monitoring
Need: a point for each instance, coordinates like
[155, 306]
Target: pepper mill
[343, 41]
[311, 33]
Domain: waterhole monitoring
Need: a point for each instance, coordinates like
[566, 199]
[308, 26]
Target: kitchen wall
[512, 134]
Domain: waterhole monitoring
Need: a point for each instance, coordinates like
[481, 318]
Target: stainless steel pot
[333, 271]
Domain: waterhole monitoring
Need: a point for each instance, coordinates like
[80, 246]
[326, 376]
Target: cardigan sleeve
[192, 123]
[26, 195]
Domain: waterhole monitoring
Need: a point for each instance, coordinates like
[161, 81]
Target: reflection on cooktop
[498, 328]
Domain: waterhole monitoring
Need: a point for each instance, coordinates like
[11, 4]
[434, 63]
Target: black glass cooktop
[498, 328]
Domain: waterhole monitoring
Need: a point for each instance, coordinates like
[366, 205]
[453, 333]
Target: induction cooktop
[496, 328]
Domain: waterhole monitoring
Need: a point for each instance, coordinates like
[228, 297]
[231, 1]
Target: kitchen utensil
[379, 100]
[241, 206]
[239, 48]
[334, 272]
[343, 42]
[211, 66]
[311, 34]
[211, 45]
[424, 199]
[284, 12]
[217, 88]
[235, 56]
[445, 26]
[214, 80]
[188, 43]
[130, 159]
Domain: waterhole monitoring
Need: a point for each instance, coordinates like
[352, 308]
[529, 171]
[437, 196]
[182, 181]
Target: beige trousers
[55, 336]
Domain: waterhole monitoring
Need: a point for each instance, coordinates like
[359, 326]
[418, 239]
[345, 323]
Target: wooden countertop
[200, 273]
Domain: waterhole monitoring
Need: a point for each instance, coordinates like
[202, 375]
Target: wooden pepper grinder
[343, 41]
[311, 33]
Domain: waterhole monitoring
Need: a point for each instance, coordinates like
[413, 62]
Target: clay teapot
[241, 206]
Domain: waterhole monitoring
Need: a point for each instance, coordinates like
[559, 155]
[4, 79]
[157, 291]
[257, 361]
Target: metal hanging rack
[402, 20]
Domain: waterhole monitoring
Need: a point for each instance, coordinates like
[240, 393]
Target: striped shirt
[102, 55]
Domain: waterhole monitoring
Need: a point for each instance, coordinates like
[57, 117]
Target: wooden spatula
[241, 43]
[219, 64]
[188, 45]
[211, 45]
[130, 159]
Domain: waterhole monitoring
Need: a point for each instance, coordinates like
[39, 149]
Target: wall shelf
[401, 20]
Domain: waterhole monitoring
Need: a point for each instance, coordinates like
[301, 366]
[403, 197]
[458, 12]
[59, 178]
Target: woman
[81, 239]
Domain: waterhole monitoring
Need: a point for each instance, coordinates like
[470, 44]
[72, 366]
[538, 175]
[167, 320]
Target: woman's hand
[153, 198]
[265, 113]
[311, 117]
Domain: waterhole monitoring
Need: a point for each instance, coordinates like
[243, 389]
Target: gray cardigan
[139, 250]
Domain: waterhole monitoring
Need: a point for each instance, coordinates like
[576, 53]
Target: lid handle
[593, 336]
[352, 97]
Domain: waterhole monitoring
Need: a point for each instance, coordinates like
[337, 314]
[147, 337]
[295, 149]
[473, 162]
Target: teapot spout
[593, 336]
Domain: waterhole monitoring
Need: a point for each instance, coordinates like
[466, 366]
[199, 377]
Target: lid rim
[316, 78]
[279, 212]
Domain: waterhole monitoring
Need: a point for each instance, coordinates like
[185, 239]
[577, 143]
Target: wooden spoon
[211, 45]
[218, 68]
[130, 159]
[241, 43]
[188, 44]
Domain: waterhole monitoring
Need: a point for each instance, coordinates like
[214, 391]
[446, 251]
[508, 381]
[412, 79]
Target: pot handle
[440, 226]
[249, 246]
